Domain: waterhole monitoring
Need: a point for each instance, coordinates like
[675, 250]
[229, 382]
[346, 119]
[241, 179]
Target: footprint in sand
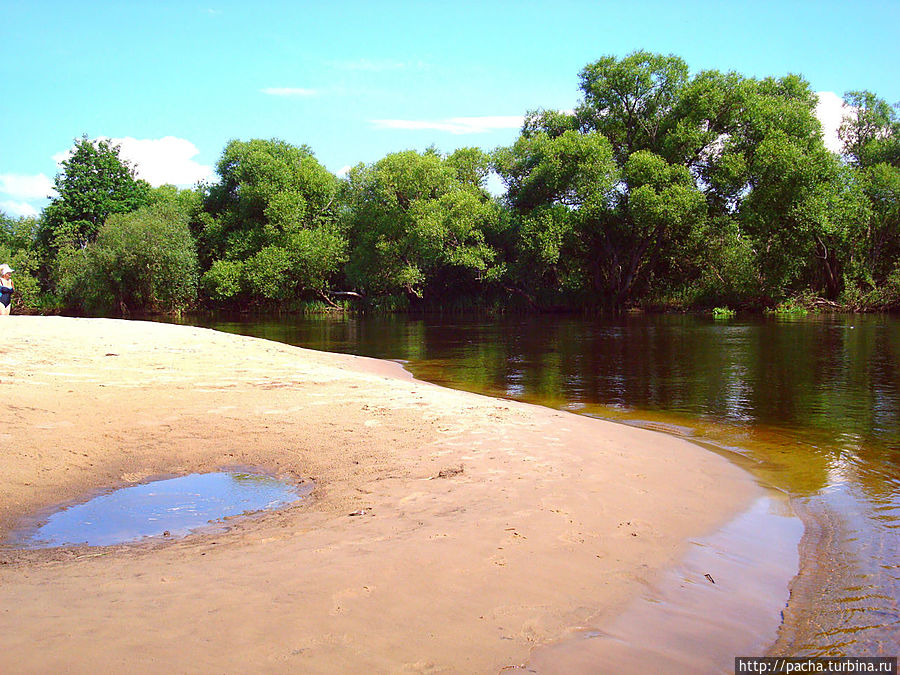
[345, 597]
[572, 537]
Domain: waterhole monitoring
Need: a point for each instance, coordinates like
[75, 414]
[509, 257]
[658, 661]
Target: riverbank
[486, 527]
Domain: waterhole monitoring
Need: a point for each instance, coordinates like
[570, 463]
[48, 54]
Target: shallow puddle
[172, 507]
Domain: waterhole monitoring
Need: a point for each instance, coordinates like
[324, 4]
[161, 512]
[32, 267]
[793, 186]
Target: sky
[172, 82]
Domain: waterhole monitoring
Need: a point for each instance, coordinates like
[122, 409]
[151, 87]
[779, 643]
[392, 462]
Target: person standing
[6, 289]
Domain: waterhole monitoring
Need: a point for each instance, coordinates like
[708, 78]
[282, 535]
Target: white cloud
[830, 109]
[343, 171]
[288, 91]
[159, 160]
[455, 125]
[13, 208]
[26, 187]
[164, 160]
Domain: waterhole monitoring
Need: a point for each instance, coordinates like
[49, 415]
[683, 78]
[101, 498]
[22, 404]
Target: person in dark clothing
[6, 289]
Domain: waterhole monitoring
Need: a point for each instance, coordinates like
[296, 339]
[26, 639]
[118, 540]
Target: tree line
[661, 189]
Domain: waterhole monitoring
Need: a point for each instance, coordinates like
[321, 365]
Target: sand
[488, 526]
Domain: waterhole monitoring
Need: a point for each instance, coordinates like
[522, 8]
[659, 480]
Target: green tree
[881, 233]
[715, 180]
[870, 130]
[270, 229]
[631, 101]
[17, 249]
[143, 261]
[597, 198]
[771, 170]
[419, 224]
[187, 202]
[559, 182]
[94, 183]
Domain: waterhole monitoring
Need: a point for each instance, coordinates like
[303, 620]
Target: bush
[885, 297]
[18, 251]
[222, 281]
[144, 261]
[793, 306]
[27, 297]
[722, 313]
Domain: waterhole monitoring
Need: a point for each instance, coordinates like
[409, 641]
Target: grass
[722, 313]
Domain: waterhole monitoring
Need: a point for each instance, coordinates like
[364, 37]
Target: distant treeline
[661, 189]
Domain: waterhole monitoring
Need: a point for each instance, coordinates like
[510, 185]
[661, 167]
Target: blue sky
[175, 81]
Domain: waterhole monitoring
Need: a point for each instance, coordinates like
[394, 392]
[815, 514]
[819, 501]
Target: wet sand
[483, 527]
[690, 621]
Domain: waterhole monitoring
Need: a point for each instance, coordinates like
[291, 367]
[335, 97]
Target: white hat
[5, 269]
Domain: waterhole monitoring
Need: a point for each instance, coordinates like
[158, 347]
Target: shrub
[223, 280]
[722, 313]
[142, 261]
[27, 297]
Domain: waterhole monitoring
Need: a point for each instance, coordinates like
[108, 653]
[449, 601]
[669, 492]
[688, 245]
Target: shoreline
[554, 518]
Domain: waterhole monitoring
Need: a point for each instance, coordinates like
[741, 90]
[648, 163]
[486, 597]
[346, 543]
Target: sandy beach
[488, 527]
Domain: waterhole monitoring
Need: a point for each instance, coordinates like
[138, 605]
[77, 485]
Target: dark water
[175, 506]
[812, 405]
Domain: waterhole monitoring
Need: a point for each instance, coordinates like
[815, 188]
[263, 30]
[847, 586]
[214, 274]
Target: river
[810, 405]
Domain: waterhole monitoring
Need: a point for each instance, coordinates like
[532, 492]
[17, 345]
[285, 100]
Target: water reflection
[174, 507]
[813, 404]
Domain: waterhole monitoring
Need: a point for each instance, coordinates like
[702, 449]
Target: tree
[17, 249]
[419, 224]
[715, 157]
[142, 261]
[870, 130]
[187, 202]
[769, 171]
[94, 183]
[596, 191]
[631, 101]
[271, 226]
[881, 234]
[559, 182]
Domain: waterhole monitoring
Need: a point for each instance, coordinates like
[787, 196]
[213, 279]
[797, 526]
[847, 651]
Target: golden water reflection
[811, 406]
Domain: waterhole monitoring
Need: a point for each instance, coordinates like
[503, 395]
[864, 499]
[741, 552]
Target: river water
[810, 405]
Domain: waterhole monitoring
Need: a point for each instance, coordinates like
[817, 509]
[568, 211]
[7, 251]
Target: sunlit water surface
[171, 507]
[812, 405]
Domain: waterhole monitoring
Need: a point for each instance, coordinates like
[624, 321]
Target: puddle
[176, 506]
[725, 599]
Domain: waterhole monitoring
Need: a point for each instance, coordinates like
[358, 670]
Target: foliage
[604, 205]
[883, 297]
[870, 130]
[143, 261]
[790, 307]
[663, 187]
[94, 183]
[16, 250]
[715, 184]
[223, 280]
[720, 267]
[871, 135]
[878, 235]
[188, 203]
[270, 228]
[631, 101]
[419, 224]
